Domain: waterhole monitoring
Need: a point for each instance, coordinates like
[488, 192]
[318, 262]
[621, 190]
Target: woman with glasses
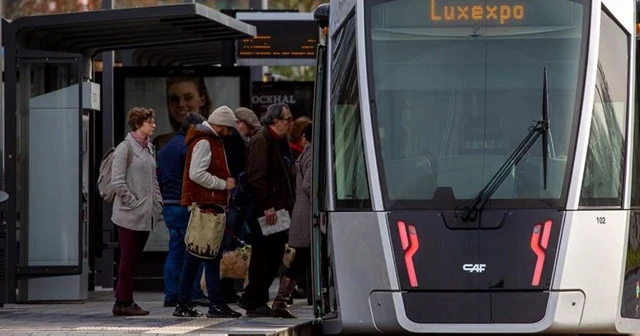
[137, 204]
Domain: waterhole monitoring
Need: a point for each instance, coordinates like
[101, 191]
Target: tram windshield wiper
[538, 128]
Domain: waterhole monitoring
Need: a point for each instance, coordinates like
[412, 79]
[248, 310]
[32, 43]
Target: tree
[13, 9]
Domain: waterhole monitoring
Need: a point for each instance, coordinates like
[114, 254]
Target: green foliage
[297, 73]
[633, 259]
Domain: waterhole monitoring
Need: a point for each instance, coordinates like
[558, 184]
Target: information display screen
[280, 39]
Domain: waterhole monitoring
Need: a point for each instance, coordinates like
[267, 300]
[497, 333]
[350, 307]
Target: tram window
[453, 98]
[602, 182]
[351, 184]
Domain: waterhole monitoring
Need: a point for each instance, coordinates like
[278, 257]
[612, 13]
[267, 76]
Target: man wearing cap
[207, 184]
[248, 123]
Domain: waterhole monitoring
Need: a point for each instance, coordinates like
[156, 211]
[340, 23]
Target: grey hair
[274, 111]
[192, 118]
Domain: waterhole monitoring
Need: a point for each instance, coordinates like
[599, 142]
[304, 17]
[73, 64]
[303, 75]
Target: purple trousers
[131, 247]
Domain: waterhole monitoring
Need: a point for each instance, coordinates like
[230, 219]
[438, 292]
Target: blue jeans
[177, 217]
[212, 276]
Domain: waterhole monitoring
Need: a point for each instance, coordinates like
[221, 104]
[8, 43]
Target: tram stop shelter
[55, 114]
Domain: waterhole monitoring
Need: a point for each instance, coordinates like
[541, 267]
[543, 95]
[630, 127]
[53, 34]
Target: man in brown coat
[270, 176]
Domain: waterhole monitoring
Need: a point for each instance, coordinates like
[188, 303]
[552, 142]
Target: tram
[476, 167]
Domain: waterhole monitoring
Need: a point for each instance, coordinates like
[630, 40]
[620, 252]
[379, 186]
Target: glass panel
[603, 176]
[352, 187]
[171, 98]
[49, 192]
[457, 85]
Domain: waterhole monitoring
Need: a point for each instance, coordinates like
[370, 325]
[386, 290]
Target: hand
[270, 216]
[231, 183]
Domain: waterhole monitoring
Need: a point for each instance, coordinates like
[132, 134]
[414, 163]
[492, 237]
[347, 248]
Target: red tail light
[539, 244]
[410, 245]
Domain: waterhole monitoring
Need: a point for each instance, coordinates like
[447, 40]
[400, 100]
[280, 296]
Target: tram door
[50, 200]
[322, 284]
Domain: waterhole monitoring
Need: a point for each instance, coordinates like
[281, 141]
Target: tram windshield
[456, 85]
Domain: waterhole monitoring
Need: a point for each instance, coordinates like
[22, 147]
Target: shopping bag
[204, 232]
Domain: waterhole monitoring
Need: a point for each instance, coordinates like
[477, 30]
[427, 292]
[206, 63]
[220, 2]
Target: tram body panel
[359, 243]
[370, 150]
[587, 99]
[591, 259]
[582, 301]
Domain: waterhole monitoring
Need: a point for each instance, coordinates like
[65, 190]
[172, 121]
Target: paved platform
[94, 317]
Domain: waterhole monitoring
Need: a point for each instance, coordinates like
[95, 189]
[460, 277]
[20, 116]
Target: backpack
[104, 179]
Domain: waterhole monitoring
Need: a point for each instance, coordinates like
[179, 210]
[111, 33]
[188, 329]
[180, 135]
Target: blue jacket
[171, 168]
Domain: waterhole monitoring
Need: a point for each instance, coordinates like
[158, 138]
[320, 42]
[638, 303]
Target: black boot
[279, 305]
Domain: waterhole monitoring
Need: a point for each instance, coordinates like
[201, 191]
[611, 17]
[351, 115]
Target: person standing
[206, 183]
[248, 123]
[295, 136]
[297, 143]
[270, 177]
[300, 230]
[171, 162]
[137, 204]
[239, 200]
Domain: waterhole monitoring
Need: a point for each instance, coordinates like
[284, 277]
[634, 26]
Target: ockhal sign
[298, 95]
[273, 99]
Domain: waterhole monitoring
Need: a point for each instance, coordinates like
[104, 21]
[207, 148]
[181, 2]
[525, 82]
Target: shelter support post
[10, 162]
[104, 265]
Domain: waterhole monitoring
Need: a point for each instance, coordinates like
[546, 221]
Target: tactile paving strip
[189, 325]
[186, 327]
[165, 316]
[112, 328]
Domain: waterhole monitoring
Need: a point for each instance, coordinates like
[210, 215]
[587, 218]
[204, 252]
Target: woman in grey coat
[137, 205]
[300, 230]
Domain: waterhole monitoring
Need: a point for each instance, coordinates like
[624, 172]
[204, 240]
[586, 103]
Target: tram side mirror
[321, 15]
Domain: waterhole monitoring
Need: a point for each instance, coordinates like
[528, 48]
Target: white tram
[476, 167]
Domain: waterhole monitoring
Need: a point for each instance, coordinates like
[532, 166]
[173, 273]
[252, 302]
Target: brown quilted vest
[193, 192]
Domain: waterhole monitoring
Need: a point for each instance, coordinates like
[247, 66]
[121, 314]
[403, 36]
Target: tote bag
[204, 232]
